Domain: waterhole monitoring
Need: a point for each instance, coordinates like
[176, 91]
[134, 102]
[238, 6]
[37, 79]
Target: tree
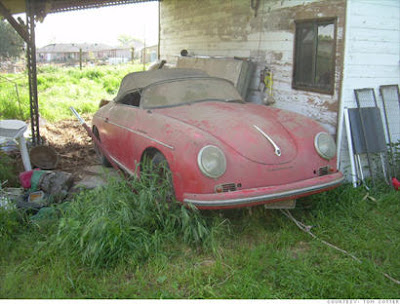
[126, 40]
[11, 44]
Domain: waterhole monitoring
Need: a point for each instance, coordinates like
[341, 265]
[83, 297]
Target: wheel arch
[151, 151]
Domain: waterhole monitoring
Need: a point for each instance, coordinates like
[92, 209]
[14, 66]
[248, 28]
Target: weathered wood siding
[372, 57]
[232, 28]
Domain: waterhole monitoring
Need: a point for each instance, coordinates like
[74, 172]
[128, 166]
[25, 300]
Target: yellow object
[35, 196]
[268, 82]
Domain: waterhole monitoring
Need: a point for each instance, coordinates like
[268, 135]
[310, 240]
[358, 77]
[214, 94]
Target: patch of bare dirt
[72, 143]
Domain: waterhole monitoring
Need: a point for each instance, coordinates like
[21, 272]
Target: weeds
[114, 224]
[112, 242]
[8, 172]
[59, 88]
[9, 224]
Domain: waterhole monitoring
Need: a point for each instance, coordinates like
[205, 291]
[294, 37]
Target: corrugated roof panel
[63, 5]
[43, 7]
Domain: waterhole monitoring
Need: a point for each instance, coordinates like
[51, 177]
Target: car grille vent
[225, 188]
[228, 187]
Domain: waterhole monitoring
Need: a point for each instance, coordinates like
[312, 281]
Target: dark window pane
[304, 53]
[314, 55]
[131, 99]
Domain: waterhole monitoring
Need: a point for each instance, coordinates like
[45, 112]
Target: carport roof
[44, 7]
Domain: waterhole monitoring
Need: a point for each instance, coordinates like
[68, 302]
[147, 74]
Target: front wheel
[162, 171]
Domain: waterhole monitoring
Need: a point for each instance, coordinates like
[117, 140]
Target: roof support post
[32, 72]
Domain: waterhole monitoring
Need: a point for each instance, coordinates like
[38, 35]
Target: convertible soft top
[139, 80]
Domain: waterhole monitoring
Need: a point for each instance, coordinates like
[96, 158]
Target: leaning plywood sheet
[237, 71]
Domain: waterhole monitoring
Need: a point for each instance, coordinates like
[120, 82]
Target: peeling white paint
[230, 28]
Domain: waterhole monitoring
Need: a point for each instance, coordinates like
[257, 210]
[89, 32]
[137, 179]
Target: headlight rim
[200, 163]
[316, 145]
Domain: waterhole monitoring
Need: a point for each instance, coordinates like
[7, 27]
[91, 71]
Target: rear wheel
[103, 160]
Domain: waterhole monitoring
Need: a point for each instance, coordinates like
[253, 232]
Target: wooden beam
[14, 23]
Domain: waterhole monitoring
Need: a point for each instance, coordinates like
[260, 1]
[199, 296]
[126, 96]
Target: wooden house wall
[230, 28]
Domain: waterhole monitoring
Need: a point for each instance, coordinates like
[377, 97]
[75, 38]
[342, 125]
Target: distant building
[69, 53]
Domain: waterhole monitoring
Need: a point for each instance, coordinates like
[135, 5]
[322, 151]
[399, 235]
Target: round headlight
[211, 161]
[325, 145]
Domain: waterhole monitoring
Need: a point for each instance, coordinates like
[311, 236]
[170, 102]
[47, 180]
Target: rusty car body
[222, 152]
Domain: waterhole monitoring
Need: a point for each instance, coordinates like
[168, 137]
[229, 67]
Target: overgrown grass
[113, 224]
[113, 243]
[8, 172]
[59, 88]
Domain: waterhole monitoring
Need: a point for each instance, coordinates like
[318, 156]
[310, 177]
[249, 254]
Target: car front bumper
[264, 195]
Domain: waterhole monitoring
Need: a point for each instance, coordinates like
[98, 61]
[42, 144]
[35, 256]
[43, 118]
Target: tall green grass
[112, 242]
[8, 172]
[61, 87]
[114, 224]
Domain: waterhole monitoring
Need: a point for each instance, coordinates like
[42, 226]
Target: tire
[103, 160]
[160, 166]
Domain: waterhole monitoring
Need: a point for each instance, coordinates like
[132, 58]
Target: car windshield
[187, 91]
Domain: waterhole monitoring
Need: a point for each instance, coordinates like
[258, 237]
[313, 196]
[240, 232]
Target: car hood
[253, 131]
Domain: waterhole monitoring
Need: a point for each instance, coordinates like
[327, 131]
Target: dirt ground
[75, 152]
[72, 143]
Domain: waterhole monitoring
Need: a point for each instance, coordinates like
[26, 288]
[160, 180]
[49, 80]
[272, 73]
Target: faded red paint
[179, 133]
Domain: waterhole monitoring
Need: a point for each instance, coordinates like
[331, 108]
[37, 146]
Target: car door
[121, 123]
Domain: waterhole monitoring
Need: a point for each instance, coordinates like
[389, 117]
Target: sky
[100, 25]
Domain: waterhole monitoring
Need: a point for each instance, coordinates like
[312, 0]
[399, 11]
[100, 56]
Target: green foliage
[112, 242]
[114, 224]
[111, 84]
[126, 40]
[11, 43]
[9, 224]
[7, 169]
[92, 74]
[59, 88]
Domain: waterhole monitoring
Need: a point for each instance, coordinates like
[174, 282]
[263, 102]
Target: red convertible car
[222, 152]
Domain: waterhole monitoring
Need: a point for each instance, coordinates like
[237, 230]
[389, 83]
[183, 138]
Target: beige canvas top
[139, 80]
